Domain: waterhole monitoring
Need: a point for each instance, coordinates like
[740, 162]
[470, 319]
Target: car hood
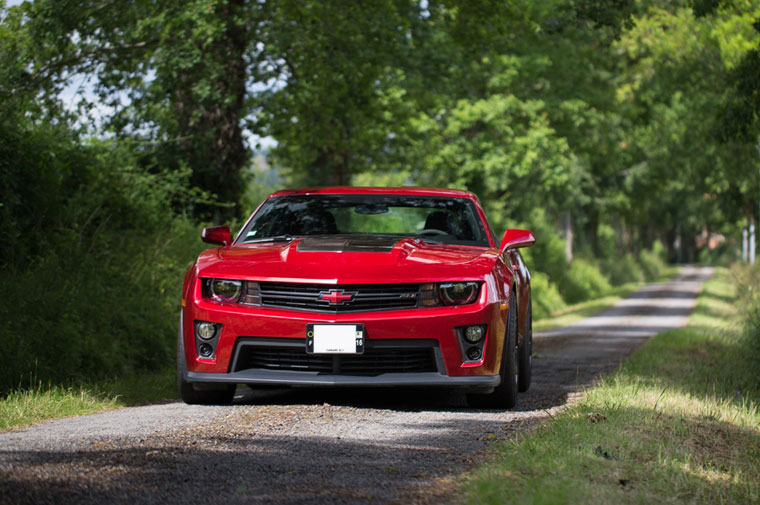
[347, 260]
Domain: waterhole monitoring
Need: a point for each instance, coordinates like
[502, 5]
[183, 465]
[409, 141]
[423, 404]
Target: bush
[607, 243]
[545, 296]
[653, 261]
[622, 270]
[79, 314]
[583, 281]
[548, 254]
[92, 257]
[723, 255]
[747, 279]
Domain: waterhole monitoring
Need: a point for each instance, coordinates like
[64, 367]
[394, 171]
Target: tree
[172, 75]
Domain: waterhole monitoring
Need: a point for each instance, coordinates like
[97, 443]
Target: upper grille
[364, 297]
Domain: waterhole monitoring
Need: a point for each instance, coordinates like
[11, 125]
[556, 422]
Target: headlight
[449, 293]
[223, 290]
[231, 291]
[458, 293]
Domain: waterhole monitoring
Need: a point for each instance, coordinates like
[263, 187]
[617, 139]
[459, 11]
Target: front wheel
[525, 364]
[504, 396]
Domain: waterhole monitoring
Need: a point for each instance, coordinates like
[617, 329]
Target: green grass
[23, 407]
[677, 423]
[578, 311]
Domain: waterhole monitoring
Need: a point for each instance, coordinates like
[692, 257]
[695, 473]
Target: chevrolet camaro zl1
[351, 286]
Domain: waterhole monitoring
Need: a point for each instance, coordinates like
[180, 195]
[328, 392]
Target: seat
[318, 222]
[442, 221]
[314, 221]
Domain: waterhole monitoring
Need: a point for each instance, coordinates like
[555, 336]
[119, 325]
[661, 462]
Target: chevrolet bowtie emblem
[336, 296]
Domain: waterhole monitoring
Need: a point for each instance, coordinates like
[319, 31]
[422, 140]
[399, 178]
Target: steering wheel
[432, 232]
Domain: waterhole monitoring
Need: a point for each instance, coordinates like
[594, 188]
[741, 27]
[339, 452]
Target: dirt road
[319, 446]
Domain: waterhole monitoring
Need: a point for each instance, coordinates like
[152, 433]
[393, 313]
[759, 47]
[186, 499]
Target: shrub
[545, 296]
[548, 254]
[79, 314]
[622, 270]
[583, 281]
[607, 245]
[747, 280]
[652, 261]
[723, 255]
[92, 256]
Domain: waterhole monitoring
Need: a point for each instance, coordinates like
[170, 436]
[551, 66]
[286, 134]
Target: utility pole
[752, 241]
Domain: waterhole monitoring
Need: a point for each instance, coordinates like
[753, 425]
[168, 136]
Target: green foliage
[747, 279]
[622, 270]
[545, 295]
[583, 281]
[92, 255]
[172, 76]
[499, 148]
[24, 406]
[548, 253]
[678, 415]
[653, 261]
[100, 308]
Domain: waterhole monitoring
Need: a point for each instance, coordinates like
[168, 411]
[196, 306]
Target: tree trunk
[210, 131]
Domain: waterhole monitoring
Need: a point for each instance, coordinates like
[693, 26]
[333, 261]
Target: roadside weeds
[678, 420]
[24, 407]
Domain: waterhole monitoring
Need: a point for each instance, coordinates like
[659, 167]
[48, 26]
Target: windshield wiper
[276, 238]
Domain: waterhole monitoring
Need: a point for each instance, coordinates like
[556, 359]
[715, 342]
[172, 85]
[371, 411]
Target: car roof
[403, 190]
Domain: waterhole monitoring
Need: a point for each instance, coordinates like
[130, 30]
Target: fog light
[473, 353]
[205, 350]
[473, 334]
[206, 330]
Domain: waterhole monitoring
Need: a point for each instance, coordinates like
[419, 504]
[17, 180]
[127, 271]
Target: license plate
[335, 338]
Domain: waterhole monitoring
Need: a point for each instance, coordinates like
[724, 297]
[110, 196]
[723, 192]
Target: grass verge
[677, 423]
[578, 311]
[27, 406]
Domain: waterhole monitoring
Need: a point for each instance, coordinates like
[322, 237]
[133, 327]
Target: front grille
[402, 356]
[325, 298]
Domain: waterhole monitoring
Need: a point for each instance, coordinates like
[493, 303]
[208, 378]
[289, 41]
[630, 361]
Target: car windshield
[434, 219]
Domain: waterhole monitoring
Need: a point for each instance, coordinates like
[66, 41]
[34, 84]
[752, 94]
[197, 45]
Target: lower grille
[400, 356]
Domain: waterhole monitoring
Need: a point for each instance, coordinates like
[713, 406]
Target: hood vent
[343, 243]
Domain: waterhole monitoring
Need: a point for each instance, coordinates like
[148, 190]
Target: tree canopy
[641, 115]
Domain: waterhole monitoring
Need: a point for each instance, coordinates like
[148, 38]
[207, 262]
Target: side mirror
[516, 238]
[217, 235]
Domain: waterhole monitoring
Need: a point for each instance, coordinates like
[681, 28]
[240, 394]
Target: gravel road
[318, 445]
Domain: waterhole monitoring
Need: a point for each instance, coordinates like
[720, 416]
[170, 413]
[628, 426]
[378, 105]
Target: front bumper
[269, 377]
[432, 330]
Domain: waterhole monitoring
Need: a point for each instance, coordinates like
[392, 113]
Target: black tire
[504, 396]
[199, 393]
[525, 362]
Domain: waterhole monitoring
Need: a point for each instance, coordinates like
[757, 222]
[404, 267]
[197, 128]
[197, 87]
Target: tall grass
[93, 247]
[105, 312]
[24, 406]
[679, 422]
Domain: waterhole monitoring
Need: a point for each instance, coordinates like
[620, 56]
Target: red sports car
[359, 287]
